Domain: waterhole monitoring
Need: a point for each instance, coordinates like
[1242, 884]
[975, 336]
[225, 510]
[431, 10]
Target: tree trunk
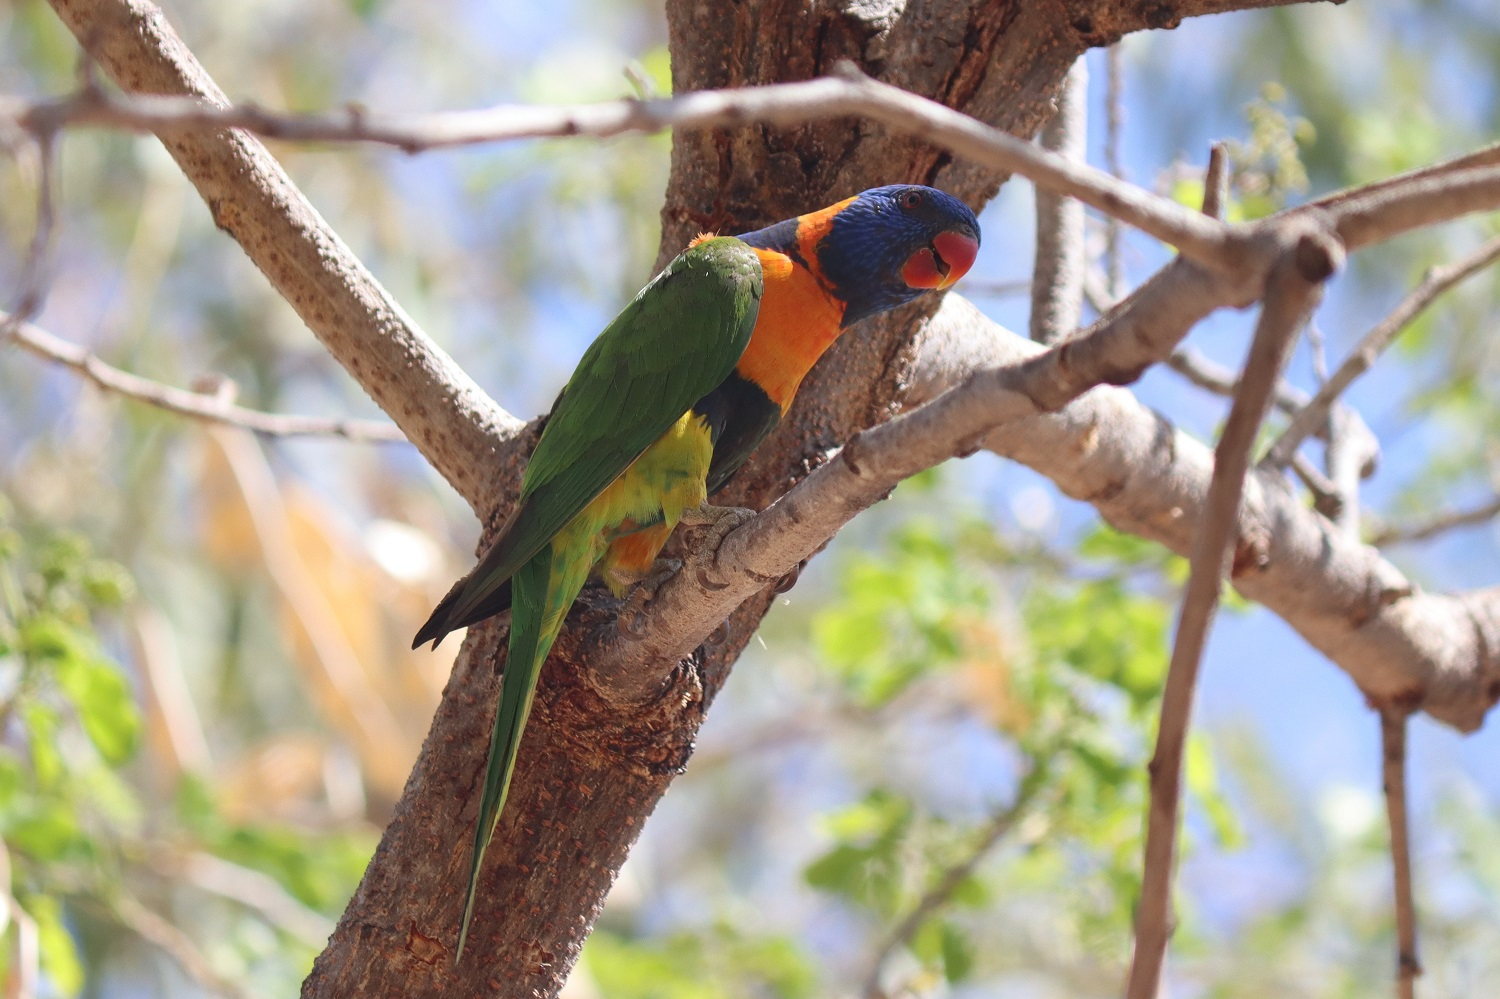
[591, 769]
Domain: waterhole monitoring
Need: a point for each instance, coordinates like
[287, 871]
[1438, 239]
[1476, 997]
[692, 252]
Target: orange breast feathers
[799, 319]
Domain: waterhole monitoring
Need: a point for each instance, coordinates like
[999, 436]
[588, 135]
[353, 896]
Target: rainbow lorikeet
[670, 399]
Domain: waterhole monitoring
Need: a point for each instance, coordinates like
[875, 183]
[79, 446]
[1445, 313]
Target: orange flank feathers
[632, 556]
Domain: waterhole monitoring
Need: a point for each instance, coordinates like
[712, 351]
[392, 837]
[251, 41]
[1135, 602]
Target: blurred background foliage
[927, 775]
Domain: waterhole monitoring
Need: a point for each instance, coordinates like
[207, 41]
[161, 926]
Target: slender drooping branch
[1440, 524]
[1437, 281]
[1393, 778]
[1291, 294]
[953, 877]
[211, 407]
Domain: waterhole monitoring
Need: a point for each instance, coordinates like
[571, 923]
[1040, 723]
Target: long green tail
[542, 591]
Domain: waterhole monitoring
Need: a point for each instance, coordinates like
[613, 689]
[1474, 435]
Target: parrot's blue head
[887, 245]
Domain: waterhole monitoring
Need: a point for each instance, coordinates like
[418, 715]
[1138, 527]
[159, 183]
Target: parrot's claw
[708, 515]
[721, 521]
[633, 611]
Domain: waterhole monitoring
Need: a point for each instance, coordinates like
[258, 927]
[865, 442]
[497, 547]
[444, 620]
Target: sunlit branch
[1370, 217]
[1484, 156]
[850, 93]
[1057, 282]
[210, 407]
[1114, 120]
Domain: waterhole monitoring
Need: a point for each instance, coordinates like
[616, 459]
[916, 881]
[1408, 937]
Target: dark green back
[672, 345]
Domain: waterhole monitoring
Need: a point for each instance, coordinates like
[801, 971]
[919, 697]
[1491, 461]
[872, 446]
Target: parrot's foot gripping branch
[721, 521]
[632, 618]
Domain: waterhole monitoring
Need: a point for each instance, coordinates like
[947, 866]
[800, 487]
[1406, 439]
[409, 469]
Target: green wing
[673, 344]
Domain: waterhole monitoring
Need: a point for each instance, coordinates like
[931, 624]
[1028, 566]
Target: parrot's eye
[911, 199]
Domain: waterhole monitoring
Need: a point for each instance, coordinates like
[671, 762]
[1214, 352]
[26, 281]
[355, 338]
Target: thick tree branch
[1365, 218]
[210, 407]
[436, 405]
[1400, 645]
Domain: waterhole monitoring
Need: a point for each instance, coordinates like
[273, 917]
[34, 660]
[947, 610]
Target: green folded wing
[672, 345]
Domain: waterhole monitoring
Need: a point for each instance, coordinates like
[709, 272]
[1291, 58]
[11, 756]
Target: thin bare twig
[161, 934]
[1486, 156]
[1393, 773]
[1291, 292]
[1440, 524]
[1057, 282]
[211, 408]
[1326, 499]
[952, 878]
[1208, 374]
[35, 272]
[849, 93]
[1216, 181]
[997, 289]
[1437, 281]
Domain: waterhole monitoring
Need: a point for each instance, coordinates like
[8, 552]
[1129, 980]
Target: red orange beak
[947, 259]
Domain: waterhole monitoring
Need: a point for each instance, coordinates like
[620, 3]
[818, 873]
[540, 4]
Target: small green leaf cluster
[68, 724]
[1070, 690]
[86, 829]
[720, 963]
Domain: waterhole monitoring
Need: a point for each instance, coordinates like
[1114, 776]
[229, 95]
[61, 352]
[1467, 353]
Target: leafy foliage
[76, 823]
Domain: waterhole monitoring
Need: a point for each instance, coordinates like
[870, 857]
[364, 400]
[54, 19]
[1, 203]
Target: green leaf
[59, 955]
[958, 953]
[105, 706]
